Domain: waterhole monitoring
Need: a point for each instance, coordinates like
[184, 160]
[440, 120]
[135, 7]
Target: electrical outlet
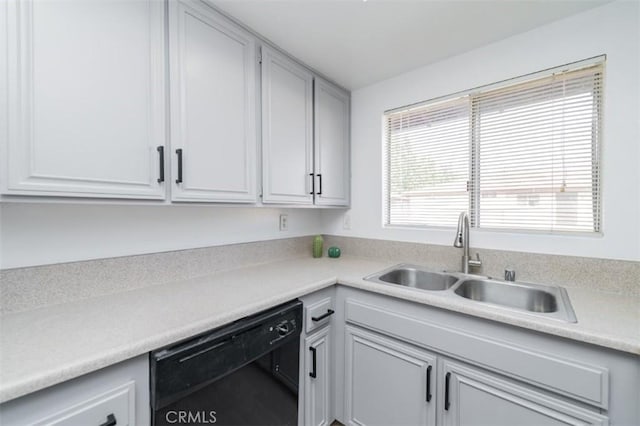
[284, 222]
[346, 221]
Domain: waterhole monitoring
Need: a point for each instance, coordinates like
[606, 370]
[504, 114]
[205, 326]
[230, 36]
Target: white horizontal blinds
[536, 150]
[427, 164]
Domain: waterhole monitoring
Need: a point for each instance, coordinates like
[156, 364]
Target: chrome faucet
[462, 241]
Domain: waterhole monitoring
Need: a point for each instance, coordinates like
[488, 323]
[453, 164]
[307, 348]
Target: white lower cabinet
[317, 378]
[317, 359]
[115, 406]
[475, 397]
[411, 364]
[387, 382]
[390, 382]
[116, 395]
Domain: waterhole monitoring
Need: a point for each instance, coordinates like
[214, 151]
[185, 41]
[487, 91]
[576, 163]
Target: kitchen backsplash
[34, 287]
[615, 276]
[30, 288]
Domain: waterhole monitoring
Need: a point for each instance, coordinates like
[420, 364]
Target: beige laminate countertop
[46, 346]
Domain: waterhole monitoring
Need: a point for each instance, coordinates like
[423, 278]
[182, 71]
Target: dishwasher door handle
[205, 350]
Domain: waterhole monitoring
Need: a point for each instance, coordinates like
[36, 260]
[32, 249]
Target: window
[518, 156]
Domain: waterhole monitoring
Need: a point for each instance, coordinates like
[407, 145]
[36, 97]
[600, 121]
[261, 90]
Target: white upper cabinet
[332, 152]
[300, 165]
[213, 106]
[86, 86]
[287, 130]
[84, 98]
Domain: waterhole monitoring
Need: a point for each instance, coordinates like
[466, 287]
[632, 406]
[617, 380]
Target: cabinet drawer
[479, 398]
[318, 314]
[569, 377]
[116, 404]
[121, 389]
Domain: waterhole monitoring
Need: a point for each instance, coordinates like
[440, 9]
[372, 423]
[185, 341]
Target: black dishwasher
[245, 373]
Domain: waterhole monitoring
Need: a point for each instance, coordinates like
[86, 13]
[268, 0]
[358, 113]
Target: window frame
[474, 190]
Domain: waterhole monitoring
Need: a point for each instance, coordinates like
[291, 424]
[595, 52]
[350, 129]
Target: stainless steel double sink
[532, 299]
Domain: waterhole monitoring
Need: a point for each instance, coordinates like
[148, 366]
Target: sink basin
[507, 294]
[414, 276]
[532, 298]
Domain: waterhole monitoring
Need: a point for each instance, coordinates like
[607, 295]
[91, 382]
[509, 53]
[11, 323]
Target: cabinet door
[85, 98]
[332, 150]
[287, 130]
[387, 382]
[472, 397]
[317, 404]
[213, 138]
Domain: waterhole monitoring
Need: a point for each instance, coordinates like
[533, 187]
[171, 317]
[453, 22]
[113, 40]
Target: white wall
[614, 30]
[36, 234]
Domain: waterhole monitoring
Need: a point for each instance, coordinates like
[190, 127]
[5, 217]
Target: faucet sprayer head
[459, 242]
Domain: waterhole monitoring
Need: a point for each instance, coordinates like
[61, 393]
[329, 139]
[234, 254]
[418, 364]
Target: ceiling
[359, 42]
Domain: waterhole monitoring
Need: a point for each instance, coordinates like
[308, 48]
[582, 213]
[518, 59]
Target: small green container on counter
[318, 241]
[334, 252]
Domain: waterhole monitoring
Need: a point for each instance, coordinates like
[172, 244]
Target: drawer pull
[313, 362]
[323, 316]
[111, 421]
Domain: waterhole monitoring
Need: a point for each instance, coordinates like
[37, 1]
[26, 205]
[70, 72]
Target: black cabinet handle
[111, 421]
[313, 184]
[447, 378]
[429, 384]
[313, 362]
[320, 178]
[179, 153]
[161, 164]
[323, 316]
